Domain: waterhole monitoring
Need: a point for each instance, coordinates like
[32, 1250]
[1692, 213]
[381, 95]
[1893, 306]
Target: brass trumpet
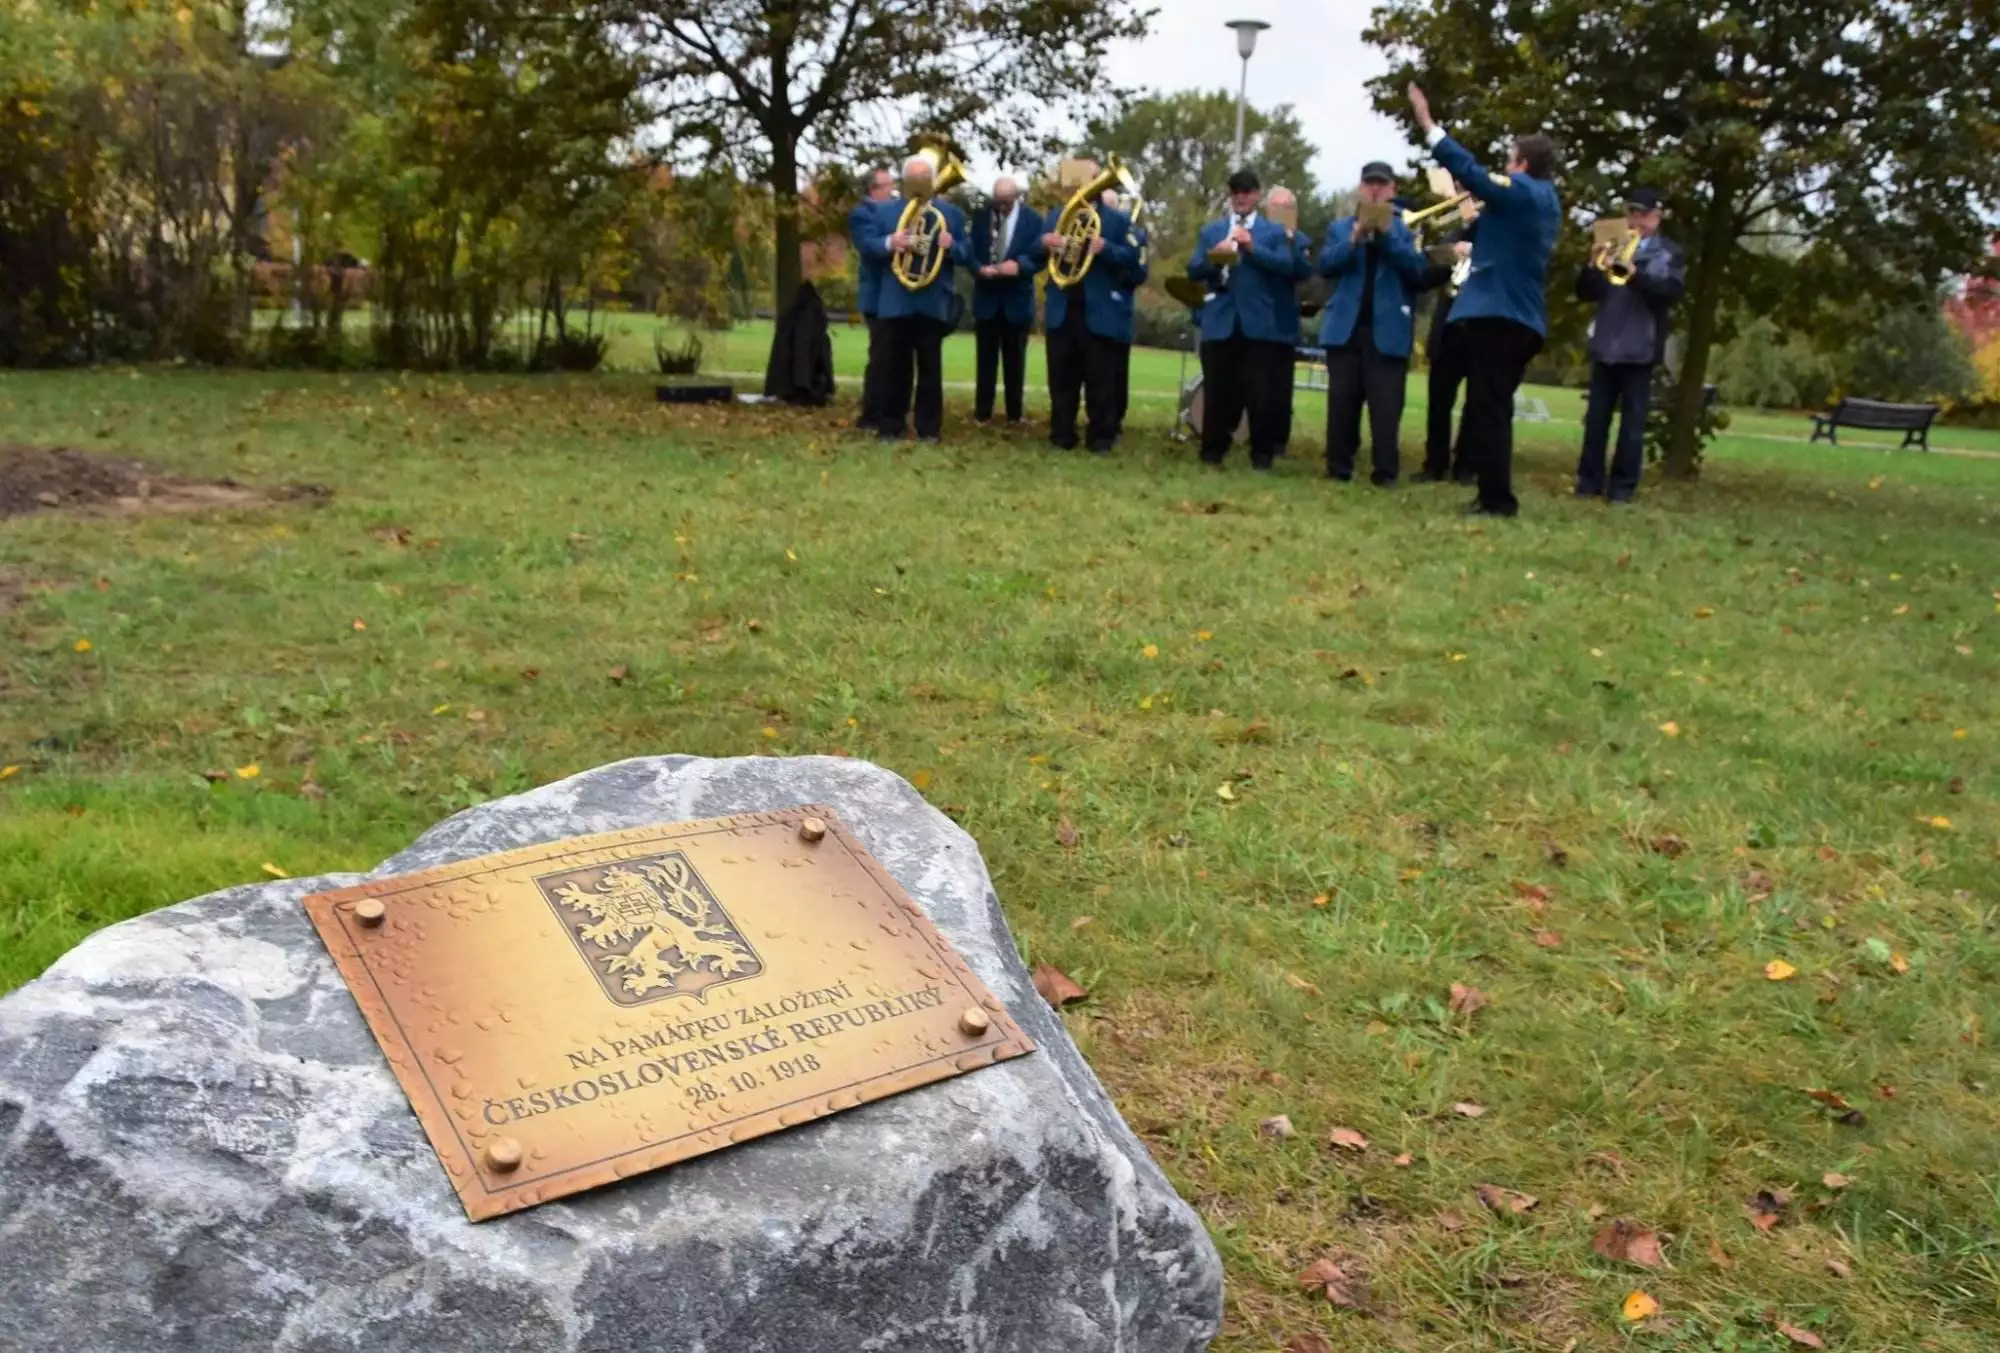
[1617, 263]
[1081, 222]
[1439, 210]
[919, 265]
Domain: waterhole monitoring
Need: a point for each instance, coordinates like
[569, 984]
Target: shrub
[684, 360]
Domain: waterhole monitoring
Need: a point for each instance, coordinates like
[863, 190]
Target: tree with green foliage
[1865, 132]
[772, 85]
[1182, 145]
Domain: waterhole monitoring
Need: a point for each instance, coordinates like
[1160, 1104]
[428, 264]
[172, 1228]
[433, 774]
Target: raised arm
[1664, 276]
[867, 233]
[1400, 249]
[1339, 254]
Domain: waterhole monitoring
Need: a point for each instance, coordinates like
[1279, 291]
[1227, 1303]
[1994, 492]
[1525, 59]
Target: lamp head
[1246, 35]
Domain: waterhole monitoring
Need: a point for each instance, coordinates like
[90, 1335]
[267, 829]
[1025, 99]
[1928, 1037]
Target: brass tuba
[1080, 222]
[919, 265]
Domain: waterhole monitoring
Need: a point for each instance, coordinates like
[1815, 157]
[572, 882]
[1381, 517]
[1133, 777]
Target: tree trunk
[1718, 241]
[785, 198]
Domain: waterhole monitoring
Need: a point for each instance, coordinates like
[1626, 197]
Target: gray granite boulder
[201, 1148]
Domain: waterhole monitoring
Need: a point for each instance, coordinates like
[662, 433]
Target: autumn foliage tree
[1861, 136]
[773, 85]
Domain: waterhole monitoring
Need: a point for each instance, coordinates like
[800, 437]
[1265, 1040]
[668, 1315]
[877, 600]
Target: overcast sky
[1312, 57]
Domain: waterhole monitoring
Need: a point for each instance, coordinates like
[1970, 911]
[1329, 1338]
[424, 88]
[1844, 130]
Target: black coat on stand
[801, 366]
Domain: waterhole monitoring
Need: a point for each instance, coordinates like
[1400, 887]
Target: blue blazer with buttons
[1517, 232]
[1009, 298]
[1108, 286]
[1261, 300]
[1399, 272]
[865, 224]
[938, 301]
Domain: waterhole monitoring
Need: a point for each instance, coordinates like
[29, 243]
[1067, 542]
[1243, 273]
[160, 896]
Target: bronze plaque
[579, 1012]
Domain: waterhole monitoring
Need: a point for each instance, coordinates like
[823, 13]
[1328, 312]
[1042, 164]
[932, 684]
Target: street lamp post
[1246, 43]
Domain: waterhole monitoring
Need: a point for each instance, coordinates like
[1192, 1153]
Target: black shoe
[888, 436]
[1465, 480]
[982, 420]
[1620, 499]
[1055, 445]
[1213, 463]
[1426, 477]
[1583, 492]
[1475, 508]
[1382, 481]
[1339, 478]
[1262, 467]
[1100, 450]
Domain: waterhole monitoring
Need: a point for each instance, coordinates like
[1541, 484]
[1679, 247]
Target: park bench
[1876, 415]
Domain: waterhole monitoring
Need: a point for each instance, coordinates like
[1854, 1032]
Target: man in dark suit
[1627, 341]
[917, 320]
[1004, 235]
[1367, 329]
[1502, 307]
[1090, 333]
[1444, 451]
[864, 225]
[1250, 324]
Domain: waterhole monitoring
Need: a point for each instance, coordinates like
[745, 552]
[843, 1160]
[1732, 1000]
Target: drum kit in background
[1309, 363]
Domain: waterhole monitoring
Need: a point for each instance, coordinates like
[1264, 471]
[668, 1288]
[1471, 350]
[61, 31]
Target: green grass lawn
[1328, 751]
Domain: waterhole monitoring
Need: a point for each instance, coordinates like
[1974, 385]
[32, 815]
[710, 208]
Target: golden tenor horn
[917, 266]
[1081, 222]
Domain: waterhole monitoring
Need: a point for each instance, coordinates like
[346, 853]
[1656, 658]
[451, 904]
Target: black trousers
[1357, 374]
[874, 377]
[1624, 388]
[1497, 352]
[1444, 454]
[1241, 374]
[1001, 346]
[1082, 367]
[916, 351]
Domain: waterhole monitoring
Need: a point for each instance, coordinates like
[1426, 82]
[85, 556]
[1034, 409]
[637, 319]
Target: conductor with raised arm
[1252, 267]
[1368, 328]
[1501, 311]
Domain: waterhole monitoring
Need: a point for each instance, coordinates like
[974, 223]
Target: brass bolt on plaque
[370, 911]
[974, 1022]
[812, 829]
[503, 1155]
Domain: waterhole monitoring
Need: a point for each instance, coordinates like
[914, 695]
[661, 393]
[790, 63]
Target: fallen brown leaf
[619, 673]
[1506, 1200]
[1839, 1269]
[1827, 854]
[1671, 846]
[1451, 1221]
[1307, 1343]
[1766, 1209]
[1534, 894]
[1548, 939]
[1467, 1109]
[1719, 1256]
[1831, 1099]
[1803, 1338]
[1066, 833]
[1298, 983]
[1835, 1180]
[1627, 1242]
[1342, 1288]
[1279, 1126]
[1347, 1139]
[1758, 885]
[1405, 1161]
[1080, 922]
[1058, 988]
[215, 777]
[1466, 1000]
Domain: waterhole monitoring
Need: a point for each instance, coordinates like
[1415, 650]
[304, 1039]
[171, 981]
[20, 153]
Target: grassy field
[1327, 752]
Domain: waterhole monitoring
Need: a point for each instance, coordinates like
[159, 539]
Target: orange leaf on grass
[1506, 1200]
[1627, 1242]
[1834, 1180]
[1766, 1209]
[1548, 939]
[1307, 1343]
[1331, 1276]
[1066, 836]
[1347, 1139]
[1467, 1109]
[1803, 1338]
[1058, 988]
[1637, 1307]
[1466, 1000]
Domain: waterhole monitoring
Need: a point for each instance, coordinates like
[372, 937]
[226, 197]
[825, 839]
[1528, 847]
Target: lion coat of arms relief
[650, 929]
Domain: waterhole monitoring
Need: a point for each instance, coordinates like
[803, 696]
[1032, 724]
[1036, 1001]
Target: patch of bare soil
[45, 478]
